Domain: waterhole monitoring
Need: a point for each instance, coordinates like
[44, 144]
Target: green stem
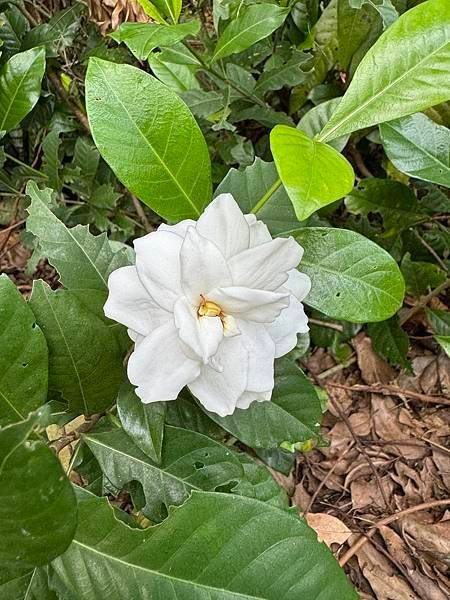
[273, 188]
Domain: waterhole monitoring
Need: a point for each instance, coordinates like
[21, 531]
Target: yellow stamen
[209, 309]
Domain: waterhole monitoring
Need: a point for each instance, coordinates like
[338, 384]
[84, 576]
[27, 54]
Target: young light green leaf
[258, 189]
[293, 415]
[394, 201]
[405, 71]
[253, 24]
[20, 86]
[419, 147]
[139, 127]
[390, 342]
[83, 261]
[189, 461]
[143, 38]
[24, 360]
[315, 120]
[420, 277]
[313, 174]
[38, 510]
[215, 547]
[85, 361]
[352, 278]
[144, 423]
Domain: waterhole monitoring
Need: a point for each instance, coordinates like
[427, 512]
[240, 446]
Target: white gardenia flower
[210, 304]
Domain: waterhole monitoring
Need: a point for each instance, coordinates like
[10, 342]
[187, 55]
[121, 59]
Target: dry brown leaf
[367, 493]
[329, 529]
[373, 368]
[428, 538]
[396, 547]
[300, 497]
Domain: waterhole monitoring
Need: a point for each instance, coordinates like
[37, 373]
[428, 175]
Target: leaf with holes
[139, 126]
[189, 461]
[352, 278]
[85, 360]
[24, 360]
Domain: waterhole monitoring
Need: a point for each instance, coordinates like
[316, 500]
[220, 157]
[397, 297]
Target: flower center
[209, 309]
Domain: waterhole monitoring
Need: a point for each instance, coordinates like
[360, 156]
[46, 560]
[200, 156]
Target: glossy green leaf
[394, 201]
[313, 174]
[20, 86]
[290, 73]
[189, 461]
[258, 189]
[139, 127]
[85, 360]
[144, 423]
[384, 8]
[315, 120]
[38, 511]
[143, 38]
[404, 72]
[83, 261]
[19, 583]
[178, 78]
[391, 342]
[24, 360]
[421, 277]
[214, 547]
[14, 27]
[253, 24]
[293, 415]
[170, 8]
[352, 278]
[440, 324]
[258, 483]
[419, 147]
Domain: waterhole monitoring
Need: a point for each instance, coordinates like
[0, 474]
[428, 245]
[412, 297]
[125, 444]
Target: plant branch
[424, 301]
[387, 390]
[62, 93]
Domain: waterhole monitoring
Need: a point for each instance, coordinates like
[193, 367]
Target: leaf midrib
[19, 86]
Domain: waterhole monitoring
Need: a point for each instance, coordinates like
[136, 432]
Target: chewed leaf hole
[338, 294]
[199, 465]
[33, 326]
[24, 365]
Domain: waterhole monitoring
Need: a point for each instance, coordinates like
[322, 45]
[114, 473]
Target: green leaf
[352, 278]
[18, 583]
[291, 73]
[293, 414]
[420, 277]
[393, 200]
[38, 511]
[253, 24]
[144, 423]
[83, 261]
[20, 86]
[14, 27]
[440, 324]
[178, 78]
[24, 361]
[258, 483]
[51, 163]
[203, 104]
[143, 38]
[85, 361]
[390, 342]
[313, 174]
[58, 33]
[215, 547]
[405, 71]
[139, 127]
[315, 120]
[189, 461]
[386, 10]
[419, 147]
[259, 186]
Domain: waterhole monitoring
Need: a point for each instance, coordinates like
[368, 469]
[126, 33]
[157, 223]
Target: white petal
[265, 266]
[159, 367]
[248, 397]
[219, 390]
[224, 224]
[202, 334]
[135, 336]
[179, 228]
[298, 283]
[259, 233]
[261, 356]
[284, 330]
[203, 266]
[158, 266]
[129, 302]
[249, 304]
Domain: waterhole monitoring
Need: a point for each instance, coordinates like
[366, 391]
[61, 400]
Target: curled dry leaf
[109, 14]
[373, 368]
[329, 529]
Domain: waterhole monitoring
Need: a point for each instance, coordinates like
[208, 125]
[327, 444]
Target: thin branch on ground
[320, 323]
[336, 368]
[387, 390]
